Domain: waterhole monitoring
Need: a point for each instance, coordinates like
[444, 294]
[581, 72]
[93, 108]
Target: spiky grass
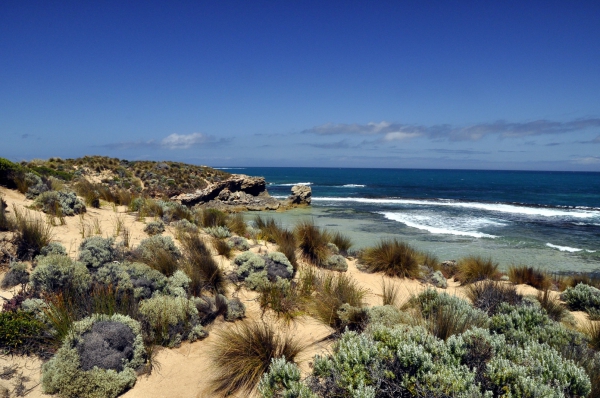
[201, 267]
[333, 290]
[389, 292]
[554, 308]
[312, 242]
[236, 224]
[393, 258]
[285, 299]
[488, 295]
[592, 331]
[523, 274]
[241, 354]
[213, 218]
[270, 230]
[33, 233]
[343, 242]
[222, 247]
[474, 268]
[286, 244]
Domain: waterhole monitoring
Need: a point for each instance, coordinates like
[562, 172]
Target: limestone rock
[226, 191]
[301, 195]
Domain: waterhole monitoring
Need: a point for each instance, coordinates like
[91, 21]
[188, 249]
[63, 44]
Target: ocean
[549, 220]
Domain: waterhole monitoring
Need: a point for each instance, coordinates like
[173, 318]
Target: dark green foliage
[343, 242]
[488, 295]
[312, 242]
[8, 172]
[201, 267]
[242, 353]
[97, 251]
[33, 233]
[473, 269]
[20, 332]
[530, 276]
[393, 258]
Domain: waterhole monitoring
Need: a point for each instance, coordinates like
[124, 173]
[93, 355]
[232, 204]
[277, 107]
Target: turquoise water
[549, 220]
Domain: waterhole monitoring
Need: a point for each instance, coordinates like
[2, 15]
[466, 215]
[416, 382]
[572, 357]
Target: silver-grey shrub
[283, 376]
[149, 246]
[66, 201]
[583, 298]
[113, 274]
[36, 186]
[17, 275]
[53, 248]
[96, 342]
[184, 226]
[55, 273]
[156, 227]
[256, 270]
[97, 251]
[336, 262]
[218, 232]
[145, 280]
[238, 243]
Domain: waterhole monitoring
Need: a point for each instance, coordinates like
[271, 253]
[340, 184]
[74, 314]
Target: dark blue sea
[549, 220]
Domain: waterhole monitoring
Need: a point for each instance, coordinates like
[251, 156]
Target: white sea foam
[445, 225]
[353, 186]
[564, 248]
[493, 207]
[291, 185]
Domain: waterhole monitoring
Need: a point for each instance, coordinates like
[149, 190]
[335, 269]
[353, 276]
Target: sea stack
[301, 195]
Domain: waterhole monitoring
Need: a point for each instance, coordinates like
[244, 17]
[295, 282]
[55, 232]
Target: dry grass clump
[474, 268]
[488, 295]
[343, 242]
[236, 224]
[201, 267]
[393, 258]
[222, 248]
[243, 352]
[523, 274]
[269, 228]
[575, 279]
[284, 298]
[33, 233]
[592, 331]
[553, 306]
[286, 243]
[389, 292]
[212, 218]
[312, 242]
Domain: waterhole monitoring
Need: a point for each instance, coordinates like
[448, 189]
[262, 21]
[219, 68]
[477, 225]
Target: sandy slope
[185, 371]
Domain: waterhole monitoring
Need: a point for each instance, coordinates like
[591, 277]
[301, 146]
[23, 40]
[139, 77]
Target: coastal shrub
[338, 302]
[145, 280]
[446, 315]
[172, 319]
[32, 234]
[53, 248]
[98, 359]
[8, 172]
[160, 253]
[242, 353]
[222, 247]
[388, 315]
[583, 298]
[178, 284]
[342, 242]
[209, 308]
[278, 266]
[251, 269]
[282, 297]
[393, 258]
[212, 218]
[59, 203]
[174, 211]
[184, 226]
[238, 243]
[34, 186]
[333, 249]
[154, 228]
[20, 332]
[437, 279]
[89, 192]
[96, 251]
[56, 273]
[114, 275]
[201, 267]
[218, 232]
[283, 380]
[17, 275]
[553, 306]
[523, 274]
[312, 242]
[488, 295]
[236, 224]
[472, 269]
[336, 262]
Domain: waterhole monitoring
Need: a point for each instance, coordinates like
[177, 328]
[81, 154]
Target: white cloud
[588, 160]
[183, 141]
[399, 136]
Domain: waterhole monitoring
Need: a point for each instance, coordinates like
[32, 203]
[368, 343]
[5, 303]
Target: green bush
[56, 273]
[53, 248]
[154, 228]
[251, 269]
[65, 375]
[59, 203]
[114, 275]
[17, 275]
[184, 226]
[583, 298]
[283, 376]
[20, 332]
[218, 232]
[172, 319]
[97, 251]
[8, 172]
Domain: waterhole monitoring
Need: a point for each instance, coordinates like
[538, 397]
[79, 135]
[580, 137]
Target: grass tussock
[333, 291]
[393, 258]
[592, 330]
[488, 295]
[574, 280]
[222, 248]
[286, 244]
[236, 224]
[285, 299]
[343, 242]
[242, 353]
[523, 274]
[212, 218]
[312, 242]
[474, 268]
[201, 267]
[389, 292]
[553, 306]
[269, 228]
[33, 233]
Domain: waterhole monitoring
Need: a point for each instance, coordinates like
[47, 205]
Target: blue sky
[449, 84]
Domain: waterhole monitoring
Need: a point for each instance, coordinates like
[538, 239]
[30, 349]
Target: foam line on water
[291, 185]
[564, 248]
[353, 186]
[442, 226]
[494, 207]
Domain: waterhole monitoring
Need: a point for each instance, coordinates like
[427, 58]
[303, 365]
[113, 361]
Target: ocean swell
[443, 225]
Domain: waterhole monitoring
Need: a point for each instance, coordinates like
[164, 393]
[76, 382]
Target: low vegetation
[472, 269]
[393, 258]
